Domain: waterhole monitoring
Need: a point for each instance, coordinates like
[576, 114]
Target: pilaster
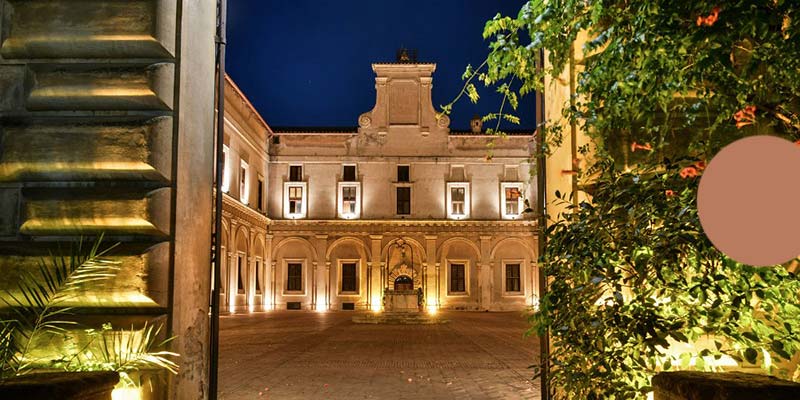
[486, 272]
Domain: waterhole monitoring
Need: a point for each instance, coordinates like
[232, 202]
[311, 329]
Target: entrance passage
[403, 282]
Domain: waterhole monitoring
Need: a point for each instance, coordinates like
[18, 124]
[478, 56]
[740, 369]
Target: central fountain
[402, 289]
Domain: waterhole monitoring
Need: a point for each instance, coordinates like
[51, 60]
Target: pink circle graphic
[748, 200]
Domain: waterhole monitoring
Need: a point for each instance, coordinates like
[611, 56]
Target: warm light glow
[376, 304]
[126, 393]
[432, 310]
[320, 308]
[244, 186]
[226, 172]
[535, 302]
[457, 198]
[349, 203]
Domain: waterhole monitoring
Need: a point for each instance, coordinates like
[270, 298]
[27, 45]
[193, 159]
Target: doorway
[403, 282]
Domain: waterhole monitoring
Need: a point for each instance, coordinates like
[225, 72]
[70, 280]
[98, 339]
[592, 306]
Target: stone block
[692, 385]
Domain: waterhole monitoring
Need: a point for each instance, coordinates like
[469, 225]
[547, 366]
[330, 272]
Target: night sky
[307, 62]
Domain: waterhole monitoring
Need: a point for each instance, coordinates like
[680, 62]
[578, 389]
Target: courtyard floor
[308, 355]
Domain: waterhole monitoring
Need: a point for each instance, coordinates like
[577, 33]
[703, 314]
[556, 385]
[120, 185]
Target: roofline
[241, 94]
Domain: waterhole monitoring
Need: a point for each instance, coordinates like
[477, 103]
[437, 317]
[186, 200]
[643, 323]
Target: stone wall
[103, 132]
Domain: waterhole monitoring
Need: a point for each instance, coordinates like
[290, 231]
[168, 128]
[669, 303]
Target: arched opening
[403, 282]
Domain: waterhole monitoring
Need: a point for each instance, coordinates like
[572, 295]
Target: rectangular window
[240, 274]
[457, 278]
[457, 200]
[244, 188]
[223, 279]
[295, 199]
[294, 277]
[296, 173]
[512, 278]
[258, 276]
[349, 173]
[226, 173]
[349, 198]
[348, 277]
[403, 200]
[260, 195]
[512, 197]
[403, 174]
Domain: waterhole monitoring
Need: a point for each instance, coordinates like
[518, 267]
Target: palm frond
[39, 305]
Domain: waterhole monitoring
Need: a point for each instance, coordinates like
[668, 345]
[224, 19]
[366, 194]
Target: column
[327, 285]
[268, 290]
[486, 276]
[431, 296]
[319, 280]
[374, 295]
[232, 290]
[275, 286]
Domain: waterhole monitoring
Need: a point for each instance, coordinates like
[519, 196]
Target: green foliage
[123, 351]
[40, 315]
[631, 273]
[39, 309]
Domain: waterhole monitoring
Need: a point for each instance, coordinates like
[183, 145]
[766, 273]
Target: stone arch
[526, 245]
[258, 246]
[413, 242]
[458, 239]
[297, 239]
[362, 248]
[242, 243]
[226, 231]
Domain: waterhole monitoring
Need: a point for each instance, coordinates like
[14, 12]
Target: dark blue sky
[307, 62]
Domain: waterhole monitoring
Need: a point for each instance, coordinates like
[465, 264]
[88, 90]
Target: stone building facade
[244, 205]
[400, 202]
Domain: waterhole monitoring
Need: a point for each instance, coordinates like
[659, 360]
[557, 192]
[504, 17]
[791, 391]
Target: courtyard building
[332, 219]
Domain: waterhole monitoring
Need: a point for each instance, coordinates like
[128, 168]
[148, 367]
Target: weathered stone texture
[691, 385]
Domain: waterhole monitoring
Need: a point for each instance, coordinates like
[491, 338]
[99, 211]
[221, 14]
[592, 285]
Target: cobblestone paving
[307, 355]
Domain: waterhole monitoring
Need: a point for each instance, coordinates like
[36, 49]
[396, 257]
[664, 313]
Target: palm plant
[39, 310]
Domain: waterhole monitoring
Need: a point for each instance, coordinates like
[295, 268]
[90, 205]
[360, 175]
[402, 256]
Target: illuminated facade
[244, 219]
[339, 201]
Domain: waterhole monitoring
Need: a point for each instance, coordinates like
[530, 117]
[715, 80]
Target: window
[513, 277]
[349, 277]
[457, 278]
[295, 201]
[226, 173]
[258, 275]
[457, 200]
[349, 173]
[511, 201]
[244, 186]
[260, 194]
[240, 273]
[349, 200]
[403, 174]
[295, 173]
[223, 270]
[294, 277]
[403, 200]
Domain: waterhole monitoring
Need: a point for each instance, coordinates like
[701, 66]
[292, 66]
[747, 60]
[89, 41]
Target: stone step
[409, 318]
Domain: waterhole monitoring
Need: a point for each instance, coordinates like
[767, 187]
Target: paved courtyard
[308, 355]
